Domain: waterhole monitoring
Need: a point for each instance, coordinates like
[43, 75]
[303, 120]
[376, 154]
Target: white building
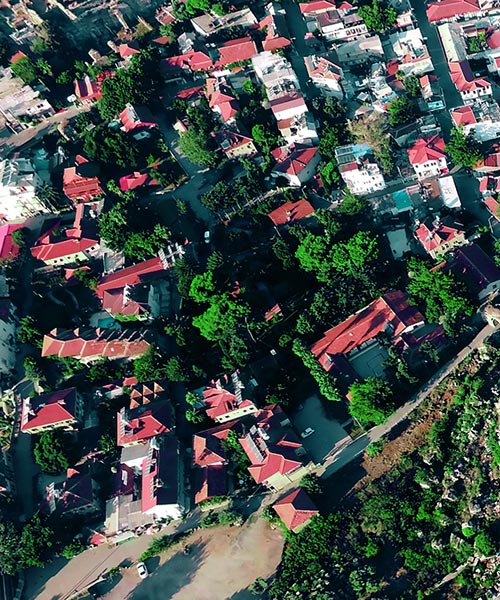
[325, 75]
[481, 118]
[360, 174]
[274, 70]
[427, 157]
[411, 51]
[18, 185]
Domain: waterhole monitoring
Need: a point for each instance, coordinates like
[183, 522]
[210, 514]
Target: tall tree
[371, 401]
[463, 149]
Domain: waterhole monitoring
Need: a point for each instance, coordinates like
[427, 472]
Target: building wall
[65, 425]
[458, 240]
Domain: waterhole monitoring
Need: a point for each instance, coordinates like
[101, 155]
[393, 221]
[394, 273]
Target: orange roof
[291, 212]
[315, 7]
[389, 312]
[293, 160]
[462, 76]
[450, 9]
[235, 51]
[295, 509]
[49, 409]
[463, 115]
[432, 236]
[424, 150]
[207, 445]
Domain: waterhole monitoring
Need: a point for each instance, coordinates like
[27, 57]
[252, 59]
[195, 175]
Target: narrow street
[451, 96]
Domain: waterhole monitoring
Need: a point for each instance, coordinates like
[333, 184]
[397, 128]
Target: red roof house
[128, 49]
[491, 163]
[440, 237]
[8, 249]
[295, 510]
[76, 495]
[296, 163]
[273, 40]
[390, 314]
[90, 344]
[130, 275]
[290, 212]
[133, 118]
[192, 61]
[136, 180]
[144, 422]
[87, 90]
[79, 186]
[207, 445]
[17, 56]
[234, 51]
[316, 7]
[427, 157]
[210, 482]
[469, 86]
[62, 409]
[463, 115]
[235, 144]
[223, 406]
[446, 10]
[220, 100]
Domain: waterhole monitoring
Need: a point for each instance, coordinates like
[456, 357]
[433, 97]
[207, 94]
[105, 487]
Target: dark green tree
[371, 401]
[37, 539]
[51, 452]
[378, 16]
[402, 110]
[150, 366]
[25, 69]
[463, 149]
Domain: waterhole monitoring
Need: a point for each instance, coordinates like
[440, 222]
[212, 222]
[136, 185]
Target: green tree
[283, 253]
[352, 205]
[356, 255]
[36, 542]
[175, 370]
[312, 484]
[19, 236]
[9, 548]
[202, 287]
[371, 130]
[484, 544]
[220, 319]
[215, 260]
[194, 415]
[149, 367]
[371, 401]
[463, 149]
[378, 16]
[28, 332]
[25, 69]
[412, 85]
[72, 549]
[313, 254]
[402, 110]
[198, 147]
[326, 383]
[51, 452]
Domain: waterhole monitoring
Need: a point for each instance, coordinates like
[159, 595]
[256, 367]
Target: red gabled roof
[491, 162]
[493, 206]
[234, 51]
[432, 236]
[63, 249]
[143, 423]
[87, 89]
[135, 180]
[191, 93]
[318, 6]
[7, 247]
[463, 115]
[279, 458]
[424, 150]
[129, 275]
[17, 56]
[462, 76]
[160, 474]
[291, 212]
[49, 409]
[494, 39]
[220, 402]
[196, 61]
[77, 187]
[391, 311]
[293, 160]
[128, 49]
[450, 9]
[207, 445]
[295, 509]
[210, 482]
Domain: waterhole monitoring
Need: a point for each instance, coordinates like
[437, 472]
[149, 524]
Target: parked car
[307, 432]
[142, 570]
[206, 236]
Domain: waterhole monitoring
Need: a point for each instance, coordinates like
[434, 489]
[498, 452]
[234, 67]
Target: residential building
[325, 75]
[276, 32]
[468, 85]
[62, 409]
[234, 144]
[87, 90]
[491, 163]
[300, 129]
[133, 456]
[88, 344]
[80, 182]
[136, 180]
[76, 496]
[224, 399]
[210, 482]
[291, 212]
[275, 72]
[163, 480]
[482, 119]
[427, 157]
[8, 250]
[137, 425]
[234, 52]
[296, 164]
[358, 170]
[412, 53]
[295, 510]
[276, 455]
[220, 99]
[137, 119]
[353, 347]
[19, 184]
[210, 23]
[439, 237]
[367, 48]
[79, 243]
[450, 10]
[288, 106]
[477, 269]
[337, 27]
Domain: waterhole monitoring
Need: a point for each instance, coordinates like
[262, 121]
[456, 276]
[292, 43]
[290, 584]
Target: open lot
[326, 422]
[222, 564]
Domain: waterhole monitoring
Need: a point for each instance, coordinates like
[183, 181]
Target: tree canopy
[25, 69]
[402, 110]
[378, 16]
[463, 149]
[371, 401]
[51, 452]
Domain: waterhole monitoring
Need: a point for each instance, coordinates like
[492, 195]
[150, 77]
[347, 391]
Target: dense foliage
[463, 149]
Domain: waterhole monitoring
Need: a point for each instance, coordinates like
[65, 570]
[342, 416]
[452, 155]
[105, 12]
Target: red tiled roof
[493, 40]
[136, 118]
[291, 212]
[491, 162]
[279, 458]
[292, 161]
[191, 93]
[7, 247]
[493, 206]
[450, 9]
[49, 409]
[77, 187]
[17, 56]
[390, 311]
[135, 180]
[196, 61]
[210, 482]
[77, 491]
[463, 115]
[89, 343]
[123, 481]
[432, 236]
[129, 275]
[87, 89]
[63, 249]
[128, 49]
[287, 101]
[462, 76]
[295, 509]
[143, 422]
[315, 7]
[207, 445]
[424, 150]
[234, 51]
[220, 402]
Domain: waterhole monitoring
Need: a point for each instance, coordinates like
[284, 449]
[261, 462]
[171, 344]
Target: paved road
[352, 450]
[9, 144]
[451, 96]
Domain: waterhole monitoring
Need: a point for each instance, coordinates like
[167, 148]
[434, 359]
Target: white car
[206, 236]
[142, 570]
[307, 432]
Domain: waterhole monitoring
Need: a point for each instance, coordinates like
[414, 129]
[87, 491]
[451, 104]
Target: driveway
[451, 96]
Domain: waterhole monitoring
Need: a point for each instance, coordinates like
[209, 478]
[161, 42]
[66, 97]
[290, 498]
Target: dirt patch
[222, 564]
